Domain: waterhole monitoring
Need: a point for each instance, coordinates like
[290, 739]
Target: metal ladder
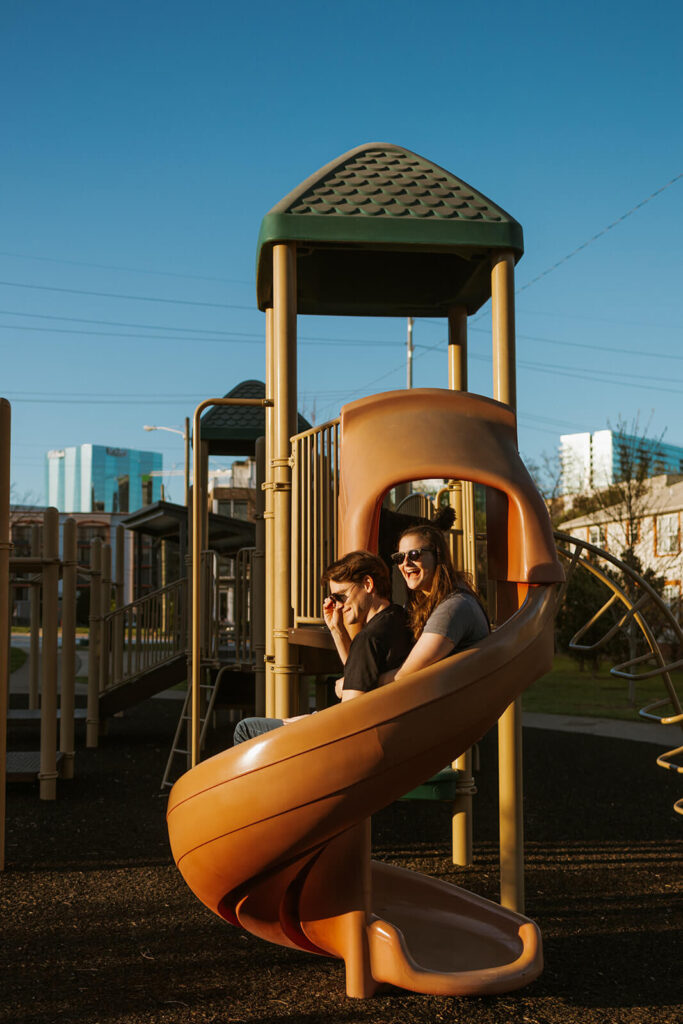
[209, 691]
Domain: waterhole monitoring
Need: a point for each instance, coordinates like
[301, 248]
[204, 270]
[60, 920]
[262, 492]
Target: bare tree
[628, 497]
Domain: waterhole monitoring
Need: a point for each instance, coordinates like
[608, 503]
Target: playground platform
[99, 925]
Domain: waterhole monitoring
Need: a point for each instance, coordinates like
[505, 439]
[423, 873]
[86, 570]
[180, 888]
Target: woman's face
[418, 570]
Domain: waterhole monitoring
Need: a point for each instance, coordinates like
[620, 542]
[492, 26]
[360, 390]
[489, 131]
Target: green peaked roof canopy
[233, 429]
[382, 231]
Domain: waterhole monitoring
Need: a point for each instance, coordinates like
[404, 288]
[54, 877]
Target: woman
[444, 612]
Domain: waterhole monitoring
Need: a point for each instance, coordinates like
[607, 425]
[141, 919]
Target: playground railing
[244, 627]
[144, 634]
[315, 490]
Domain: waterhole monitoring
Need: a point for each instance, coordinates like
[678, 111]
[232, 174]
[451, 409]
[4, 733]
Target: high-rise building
[96, 478]
[595, 461]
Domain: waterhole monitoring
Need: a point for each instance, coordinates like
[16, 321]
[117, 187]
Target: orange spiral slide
[273, 835]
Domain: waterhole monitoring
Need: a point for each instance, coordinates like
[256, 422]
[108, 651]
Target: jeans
[248, 728]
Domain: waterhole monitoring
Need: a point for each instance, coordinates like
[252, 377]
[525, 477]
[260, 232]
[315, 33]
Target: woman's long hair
[446, 578]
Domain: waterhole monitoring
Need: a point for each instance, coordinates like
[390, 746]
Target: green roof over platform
[382, 231]
[234, 429]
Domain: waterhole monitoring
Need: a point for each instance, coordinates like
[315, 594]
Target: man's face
[354, 599]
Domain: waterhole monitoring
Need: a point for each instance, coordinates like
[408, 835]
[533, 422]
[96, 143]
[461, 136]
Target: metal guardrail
[244, 627]
[143, 634]
[315, 490]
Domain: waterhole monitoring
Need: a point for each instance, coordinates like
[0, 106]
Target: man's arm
[334, 620]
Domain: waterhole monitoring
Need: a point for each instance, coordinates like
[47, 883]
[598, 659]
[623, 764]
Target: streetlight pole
[185, 434]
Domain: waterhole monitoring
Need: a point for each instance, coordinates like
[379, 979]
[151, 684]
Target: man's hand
[296, 718]
[333, 615]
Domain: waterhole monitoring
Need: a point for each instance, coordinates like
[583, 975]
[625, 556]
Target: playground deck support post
[34, 650]
[93, 710]
[119, 626]
[268, 516]
[5, 546]
[67, 695]
[511, 822]
[199, 515]
[105, 606]
[47, 775]
[457, 381]
[284, 365]
[258, 586]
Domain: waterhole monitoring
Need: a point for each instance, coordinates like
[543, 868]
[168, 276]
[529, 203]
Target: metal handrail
[143, 634]
[244, 628]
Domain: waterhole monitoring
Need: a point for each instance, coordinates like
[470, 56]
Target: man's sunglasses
[414, 555]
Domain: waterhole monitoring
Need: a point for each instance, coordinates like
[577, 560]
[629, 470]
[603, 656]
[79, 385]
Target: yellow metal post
[5, 546]
[461, 496]
[198, 517]
[34, 650]
[284, 316]
[258, 586]
[93, 710]
[105, 608]
[510, 724]
[48, 704]
[67, 695]
[118, 627]
[268, 516]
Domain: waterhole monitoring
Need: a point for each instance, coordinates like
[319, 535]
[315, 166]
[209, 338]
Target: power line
[238, 337]
[569, 344]
[303, 338]
[117, 295]
[604, 231]
[130, 270]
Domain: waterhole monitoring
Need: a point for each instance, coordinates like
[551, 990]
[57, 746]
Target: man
[359, 595]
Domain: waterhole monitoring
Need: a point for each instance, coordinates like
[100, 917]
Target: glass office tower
[96, 478]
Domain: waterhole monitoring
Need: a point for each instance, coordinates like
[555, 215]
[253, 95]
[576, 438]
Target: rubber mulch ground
[98, 925]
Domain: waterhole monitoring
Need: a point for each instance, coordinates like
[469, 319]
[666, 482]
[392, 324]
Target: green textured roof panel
[383, 231]
[234, 429]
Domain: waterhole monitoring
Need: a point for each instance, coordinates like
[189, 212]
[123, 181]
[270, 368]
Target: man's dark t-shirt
[383, 643]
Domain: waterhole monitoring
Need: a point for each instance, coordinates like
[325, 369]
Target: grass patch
[566, 690]
[17, 657]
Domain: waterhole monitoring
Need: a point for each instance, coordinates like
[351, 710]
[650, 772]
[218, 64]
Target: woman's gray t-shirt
[460, 618]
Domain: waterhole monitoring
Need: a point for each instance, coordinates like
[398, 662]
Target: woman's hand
[339, 687]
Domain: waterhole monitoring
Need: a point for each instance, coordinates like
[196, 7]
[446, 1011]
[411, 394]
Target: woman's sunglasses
[414, 555]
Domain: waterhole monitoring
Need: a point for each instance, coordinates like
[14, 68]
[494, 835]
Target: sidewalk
[611, 728]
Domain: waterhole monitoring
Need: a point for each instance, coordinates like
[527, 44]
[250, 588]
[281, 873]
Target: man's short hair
[354, 567]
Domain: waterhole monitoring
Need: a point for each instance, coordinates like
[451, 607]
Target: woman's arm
[430, 647]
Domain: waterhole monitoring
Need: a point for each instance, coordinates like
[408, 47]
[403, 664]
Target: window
[597, 535]
[667, 531]
[147, 498]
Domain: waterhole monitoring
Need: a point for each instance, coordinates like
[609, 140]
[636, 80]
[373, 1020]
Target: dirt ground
[99, 927]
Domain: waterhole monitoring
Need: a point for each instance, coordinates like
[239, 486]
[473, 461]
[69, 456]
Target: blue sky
[144, 140]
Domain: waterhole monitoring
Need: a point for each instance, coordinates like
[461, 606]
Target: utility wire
[604, 231]
[231, 338]
[130, 270]
[117, 295]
